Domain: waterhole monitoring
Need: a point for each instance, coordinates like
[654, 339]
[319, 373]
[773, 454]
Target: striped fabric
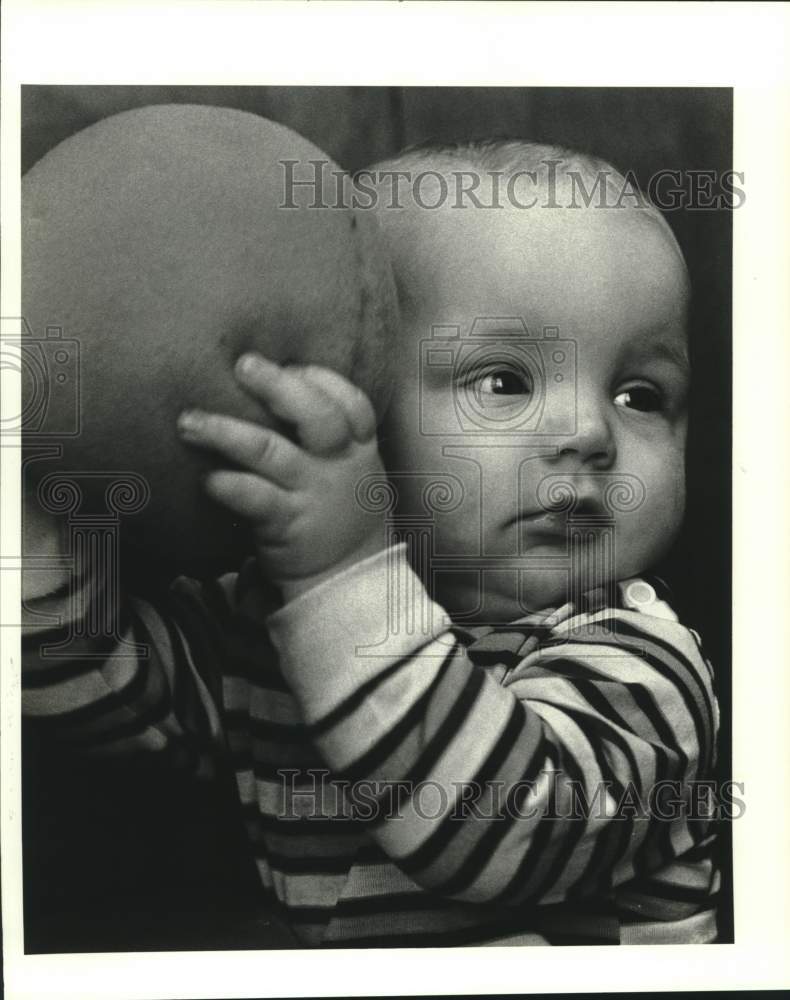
[464, 786]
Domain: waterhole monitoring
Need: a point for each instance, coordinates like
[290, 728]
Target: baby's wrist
[293, 588]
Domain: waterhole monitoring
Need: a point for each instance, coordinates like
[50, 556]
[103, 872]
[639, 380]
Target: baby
[490, 731]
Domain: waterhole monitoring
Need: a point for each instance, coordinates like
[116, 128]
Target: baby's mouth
[553, 526]
[543, 526]
[551, 521]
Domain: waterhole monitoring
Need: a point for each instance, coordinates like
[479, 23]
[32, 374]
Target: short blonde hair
[509, 157]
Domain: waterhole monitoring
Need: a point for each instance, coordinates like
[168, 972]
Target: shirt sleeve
[106, 673]
[558, 779]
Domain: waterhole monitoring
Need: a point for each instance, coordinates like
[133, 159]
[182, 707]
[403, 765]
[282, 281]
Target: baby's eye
[504, 382]
[644, 398]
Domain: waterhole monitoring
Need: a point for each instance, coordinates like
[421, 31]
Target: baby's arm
[494, 776]
[571, 721]
[143, 689]
[134, 686]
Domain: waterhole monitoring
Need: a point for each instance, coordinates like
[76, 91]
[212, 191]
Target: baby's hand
[300, 498]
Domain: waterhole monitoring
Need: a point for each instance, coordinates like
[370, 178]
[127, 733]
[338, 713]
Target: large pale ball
[160, 242]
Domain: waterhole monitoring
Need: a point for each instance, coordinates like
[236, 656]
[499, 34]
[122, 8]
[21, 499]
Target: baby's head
[591, 393]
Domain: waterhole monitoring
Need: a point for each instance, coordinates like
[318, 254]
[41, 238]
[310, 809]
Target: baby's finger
[320, 423]
[250, 497]
[355, 404]
[259, 449]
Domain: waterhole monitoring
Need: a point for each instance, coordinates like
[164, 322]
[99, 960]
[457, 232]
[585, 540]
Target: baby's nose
[591, 441]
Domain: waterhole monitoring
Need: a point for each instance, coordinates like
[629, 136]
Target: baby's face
[508, 415]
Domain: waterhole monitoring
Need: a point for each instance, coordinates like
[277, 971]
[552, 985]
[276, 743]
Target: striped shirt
[527, 783]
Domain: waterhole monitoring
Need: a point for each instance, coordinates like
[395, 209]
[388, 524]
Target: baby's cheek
[652, 527]
[669, 483]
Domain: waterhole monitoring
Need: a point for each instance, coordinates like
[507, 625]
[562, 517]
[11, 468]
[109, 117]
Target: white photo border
[744, 46]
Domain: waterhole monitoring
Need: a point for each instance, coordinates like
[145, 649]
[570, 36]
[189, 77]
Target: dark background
[121, 857]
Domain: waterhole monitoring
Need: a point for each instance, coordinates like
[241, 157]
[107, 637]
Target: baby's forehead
[551, 252]
[612, 287]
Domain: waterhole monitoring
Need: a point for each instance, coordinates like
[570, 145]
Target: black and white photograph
[379, 531]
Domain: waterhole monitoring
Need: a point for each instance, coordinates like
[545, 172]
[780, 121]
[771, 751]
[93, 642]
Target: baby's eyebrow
[665, 350]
